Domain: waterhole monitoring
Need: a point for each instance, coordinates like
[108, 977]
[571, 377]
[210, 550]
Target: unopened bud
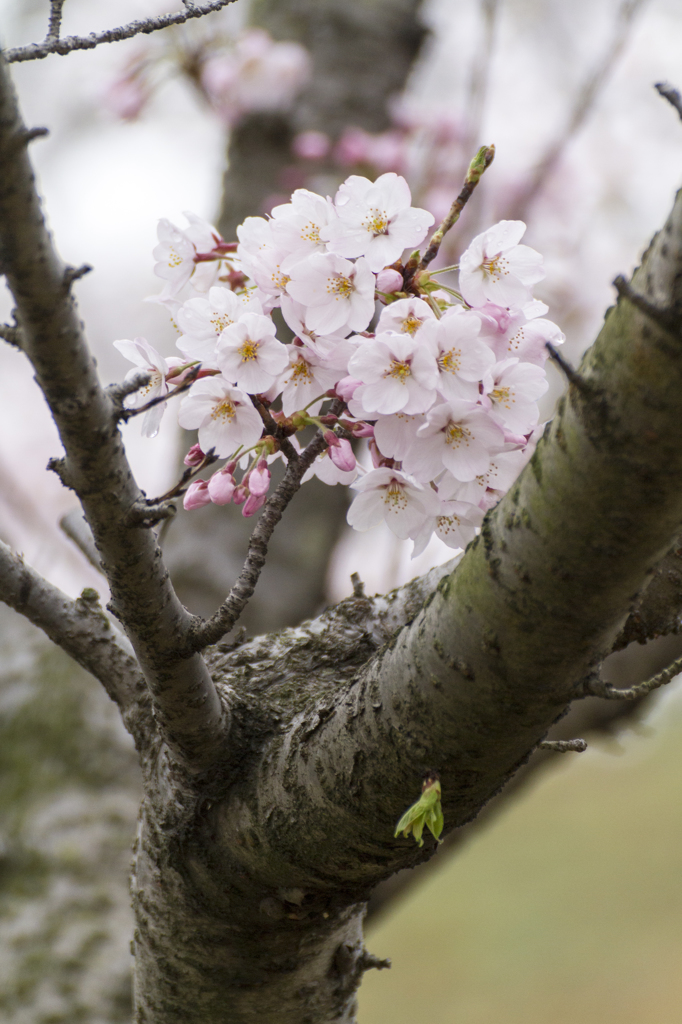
[240, 494]
[259, 480]
[389, 280]
[252, 504]
[346, 387]
[342, 456]
[362, 429]
[221, 487]
[197, 495]
[194, 456]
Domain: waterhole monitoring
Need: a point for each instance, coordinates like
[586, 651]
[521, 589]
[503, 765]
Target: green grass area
[567, 908]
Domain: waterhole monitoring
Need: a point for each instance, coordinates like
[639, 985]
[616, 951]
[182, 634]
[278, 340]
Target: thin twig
[274, 428]
[12, 334]
[584, 102]
[671, 94]
[181, 486]
[571, 375]
[598, 688]
[128, 414]
[55, 24]
[564, 746]
[117, 392]
[80, 627]
[666, 317]
[210, 631]
[37, 51]
[148, 514]
[477, 168]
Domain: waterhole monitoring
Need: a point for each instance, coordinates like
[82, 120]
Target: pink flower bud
[259, 480]
[240, 494]
[197, 495]
[311, 145]
[252, 504]
[221, 487]
[361, 429]
[345, 388]
[342, 456]
[389, 280]
[331, 438]
[194, 456]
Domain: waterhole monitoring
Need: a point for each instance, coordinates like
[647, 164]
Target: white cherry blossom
[511, 394]
[495, 268]
[176, 251]
[462, 438]
[296, 226]
[223, 414]
[250, 355]
[405, 316]
[152, 362]
[336, 292]
[463, 360]
[519, 332]
[455, 524]
[375, 220]
[260, 257]
[397, 374]
[395, 434]
[390, 495]
[326, 471]
[294, 316]
[202, 321]
[308, 376]
[487, 489]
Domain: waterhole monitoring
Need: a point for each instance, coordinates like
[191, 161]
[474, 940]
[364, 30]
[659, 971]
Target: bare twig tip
[672, 95]
[667, 317]
[564, 746]
[571, 375]
[72, 274]
[35, 133]
[358, 585]
[599, 688]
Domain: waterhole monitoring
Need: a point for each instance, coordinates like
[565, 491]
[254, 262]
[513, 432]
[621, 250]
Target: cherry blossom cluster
[235, 76]
[442, 384]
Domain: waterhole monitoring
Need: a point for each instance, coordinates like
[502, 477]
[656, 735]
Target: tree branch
[55, 24]
[503, 645]
[53, 44]
[210, 631]
[188, 709]
[671, 94]
[82, 630]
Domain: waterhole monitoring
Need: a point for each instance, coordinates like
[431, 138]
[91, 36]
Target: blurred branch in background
[53, 43]
[583, 104]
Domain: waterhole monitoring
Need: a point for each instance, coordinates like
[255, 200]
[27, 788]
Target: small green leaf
[426, 812]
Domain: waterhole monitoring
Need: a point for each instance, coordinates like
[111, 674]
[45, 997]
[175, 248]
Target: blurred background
[565, 903]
